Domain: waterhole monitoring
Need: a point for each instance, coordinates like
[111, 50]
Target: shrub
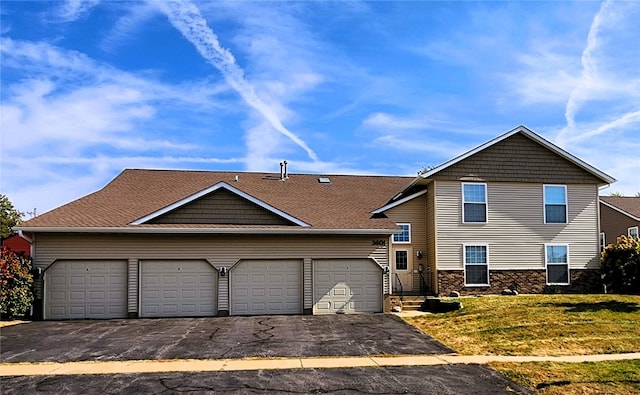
[621, 265]
[16, 284]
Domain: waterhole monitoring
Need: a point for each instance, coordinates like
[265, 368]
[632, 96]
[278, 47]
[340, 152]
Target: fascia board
[399, 202]
[213, 188]
[144, 230]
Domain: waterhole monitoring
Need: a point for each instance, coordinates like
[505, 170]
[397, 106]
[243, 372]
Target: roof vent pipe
[281, 171]
[286, 174]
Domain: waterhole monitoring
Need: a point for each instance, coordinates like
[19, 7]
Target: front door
[402, 279]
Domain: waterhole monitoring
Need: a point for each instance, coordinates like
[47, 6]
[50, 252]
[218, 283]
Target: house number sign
[380, 243]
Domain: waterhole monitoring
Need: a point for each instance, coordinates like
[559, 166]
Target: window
[402, 260]
[632, 232]
[404, 236]
[555, 204]
[557, 260]
[603, 241]
[474, 203]
[476, 265]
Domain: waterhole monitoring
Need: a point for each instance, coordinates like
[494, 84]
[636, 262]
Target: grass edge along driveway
[548, 325]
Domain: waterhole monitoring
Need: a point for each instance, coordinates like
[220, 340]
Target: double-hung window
[555, 204]
[557, 262]
[603, 241]
[476, 265]
[404, 236]
[474, 203]
[632, 231]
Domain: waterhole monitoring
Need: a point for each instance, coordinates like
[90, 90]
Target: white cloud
[186, 18]
[71, 10]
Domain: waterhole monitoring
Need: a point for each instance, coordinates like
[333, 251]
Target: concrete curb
[218, 365]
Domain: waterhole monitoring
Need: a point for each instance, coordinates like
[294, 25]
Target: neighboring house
[514, 212]
[18, 243]
[618, 216]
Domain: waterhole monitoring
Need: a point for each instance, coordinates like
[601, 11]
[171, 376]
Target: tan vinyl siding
[307, 278]
[220, 250]
[221, 207]
[414, 213]
[132, 285]
[380, 255]
[431, 234]
[515, 231]
[223, 290]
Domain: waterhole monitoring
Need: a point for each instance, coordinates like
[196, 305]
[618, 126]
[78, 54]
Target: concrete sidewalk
[216, 365]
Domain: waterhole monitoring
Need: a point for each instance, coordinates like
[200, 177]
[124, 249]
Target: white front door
[402, 277]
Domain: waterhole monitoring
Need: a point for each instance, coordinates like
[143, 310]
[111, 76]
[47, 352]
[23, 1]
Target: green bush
[621, 266]
[16, 284]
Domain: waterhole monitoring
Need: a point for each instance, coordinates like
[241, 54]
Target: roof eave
[146, 230]
[621, 211]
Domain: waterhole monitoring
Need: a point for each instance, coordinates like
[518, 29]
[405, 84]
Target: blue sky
[92, 87]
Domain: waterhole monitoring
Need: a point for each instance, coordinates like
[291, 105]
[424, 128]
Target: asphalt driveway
[441, 380]
[213, 338]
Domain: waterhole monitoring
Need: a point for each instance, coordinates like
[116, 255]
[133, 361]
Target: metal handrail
[423, 284]
[399, 283]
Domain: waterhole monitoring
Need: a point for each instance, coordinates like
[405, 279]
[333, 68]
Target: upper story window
[404, 236]
[474, 203]
[632, 232]
[555, 204]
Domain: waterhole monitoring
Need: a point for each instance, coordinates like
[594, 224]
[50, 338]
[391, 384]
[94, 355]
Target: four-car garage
[102, 289]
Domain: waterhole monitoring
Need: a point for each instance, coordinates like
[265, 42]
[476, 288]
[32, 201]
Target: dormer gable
[220, 204]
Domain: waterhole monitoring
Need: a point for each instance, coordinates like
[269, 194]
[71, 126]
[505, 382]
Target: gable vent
[324, 180]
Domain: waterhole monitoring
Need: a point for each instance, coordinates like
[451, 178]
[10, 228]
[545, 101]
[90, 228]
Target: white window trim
[402, 242]
[546, 263]
[395, 268]
[566, 204]
[464, 264]
[603, 241]
[629, 229]
[486, 203]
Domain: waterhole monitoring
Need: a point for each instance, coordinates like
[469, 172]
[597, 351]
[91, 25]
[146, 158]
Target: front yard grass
[538, 325]
[550, 378]
[548, 325]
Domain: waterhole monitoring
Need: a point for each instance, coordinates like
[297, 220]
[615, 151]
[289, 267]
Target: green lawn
[538, 325]
[548, 325]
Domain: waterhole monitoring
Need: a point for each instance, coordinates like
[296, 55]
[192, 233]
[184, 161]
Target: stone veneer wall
[524, 281]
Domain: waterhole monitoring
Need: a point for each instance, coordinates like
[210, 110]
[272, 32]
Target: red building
[18, 244]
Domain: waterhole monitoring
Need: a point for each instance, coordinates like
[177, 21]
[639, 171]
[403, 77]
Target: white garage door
[86, 289]
[347, 286]
[266, 287]
[178, 288]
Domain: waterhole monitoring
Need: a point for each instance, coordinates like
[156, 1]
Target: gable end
[517, 159]
[221, 207]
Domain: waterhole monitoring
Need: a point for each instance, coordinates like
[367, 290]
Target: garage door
[266, 287]
[347, 286]
[173, 288]
[86, 289]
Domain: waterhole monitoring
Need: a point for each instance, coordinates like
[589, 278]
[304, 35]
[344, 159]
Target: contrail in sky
[186, 17]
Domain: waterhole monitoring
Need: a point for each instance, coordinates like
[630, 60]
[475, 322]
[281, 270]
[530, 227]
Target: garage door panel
[347, 285]
[266, 287]
[77, 289]
[176, 288]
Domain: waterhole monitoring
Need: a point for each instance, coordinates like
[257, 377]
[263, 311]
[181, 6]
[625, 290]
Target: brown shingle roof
[344, 203]
[630, 205]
